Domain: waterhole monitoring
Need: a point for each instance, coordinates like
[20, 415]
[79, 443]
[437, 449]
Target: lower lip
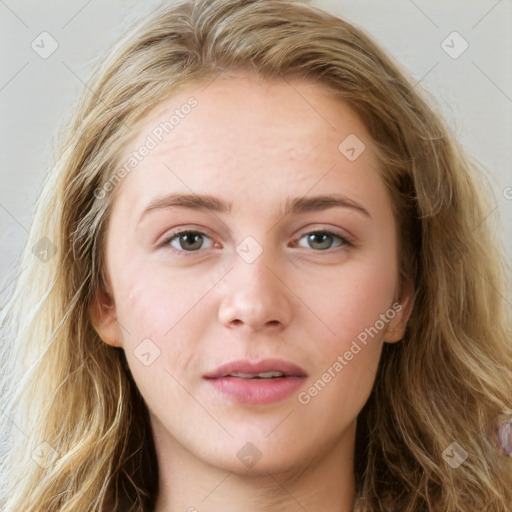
[257, 391]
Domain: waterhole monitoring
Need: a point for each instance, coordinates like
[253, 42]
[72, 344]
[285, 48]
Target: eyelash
[167, 242]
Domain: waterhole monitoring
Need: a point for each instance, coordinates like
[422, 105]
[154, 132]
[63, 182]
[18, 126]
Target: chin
[254, 457]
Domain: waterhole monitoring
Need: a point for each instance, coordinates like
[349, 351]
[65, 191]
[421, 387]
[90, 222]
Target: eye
[193, 241]
[188, 241]
[323, 240]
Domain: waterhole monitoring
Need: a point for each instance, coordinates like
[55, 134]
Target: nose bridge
[255, 275]
[253, 295]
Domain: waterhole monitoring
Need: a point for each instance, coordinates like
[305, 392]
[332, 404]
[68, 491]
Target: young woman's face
[255, 338]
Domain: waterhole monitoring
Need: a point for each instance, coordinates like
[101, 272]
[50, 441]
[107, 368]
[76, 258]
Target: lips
[257, 383]
[267, 368]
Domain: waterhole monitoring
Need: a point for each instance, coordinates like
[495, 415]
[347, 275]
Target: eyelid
[166, 242]
[336, 231]
[345, 239]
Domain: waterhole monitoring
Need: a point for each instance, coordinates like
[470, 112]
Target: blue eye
[189, 241]
[323, 239]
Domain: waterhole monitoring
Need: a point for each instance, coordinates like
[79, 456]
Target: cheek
[336, 395]
[152, 301]
[353, 300]
[160, 334]
[358, 308]
[165, 306]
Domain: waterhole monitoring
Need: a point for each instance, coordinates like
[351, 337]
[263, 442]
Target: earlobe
[403, 308]
[102, 313]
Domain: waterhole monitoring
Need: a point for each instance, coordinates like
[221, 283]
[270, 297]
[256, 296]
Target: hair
[76, 434]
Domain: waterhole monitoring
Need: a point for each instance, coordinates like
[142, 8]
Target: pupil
[323, 237]
[190, 239]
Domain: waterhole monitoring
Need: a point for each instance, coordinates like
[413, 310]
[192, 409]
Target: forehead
[246, 134]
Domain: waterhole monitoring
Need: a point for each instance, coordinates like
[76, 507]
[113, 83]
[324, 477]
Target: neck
[186, 483]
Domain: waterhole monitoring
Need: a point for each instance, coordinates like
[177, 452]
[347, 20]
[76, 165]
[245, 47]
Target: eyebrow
[214, 204]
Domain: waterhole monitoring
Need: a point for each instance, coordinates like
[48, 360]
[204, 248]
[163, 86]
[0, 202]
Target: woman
[271, 285]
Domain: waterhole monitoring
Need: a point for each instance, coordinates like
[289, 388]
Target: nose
[255, 297]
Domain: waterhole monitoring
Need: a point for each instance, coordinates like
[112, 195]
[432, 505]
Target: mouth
[264, 369]
[257, 383]
[262, 375]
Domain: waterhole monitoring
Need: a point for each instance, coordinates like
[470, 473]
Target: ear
[103, 317]
[402, 306]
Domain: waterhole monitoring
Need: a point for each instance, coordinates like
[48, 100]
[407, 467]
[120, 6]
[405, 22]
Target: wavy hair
[75, 431]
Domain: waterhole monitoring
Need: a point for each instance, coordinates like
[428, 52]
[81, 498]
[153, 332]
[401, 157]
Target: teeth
[264, 375]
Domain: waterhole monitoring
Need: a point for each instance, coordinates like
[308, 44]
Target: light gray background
[474, 91]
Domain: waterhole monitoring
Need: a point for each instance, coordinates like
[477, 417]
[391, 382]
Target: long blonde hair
[75, 430]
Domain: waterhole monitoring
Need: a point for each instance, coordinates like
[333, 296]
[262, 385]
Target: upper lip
[255, 367]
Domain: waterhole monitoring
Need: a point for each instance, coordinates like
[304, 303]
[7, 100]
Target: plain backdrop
[460, 52]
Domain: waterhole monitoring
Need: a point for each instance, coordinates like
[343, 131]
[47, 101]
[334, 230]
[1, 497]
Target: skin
[254, 144]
